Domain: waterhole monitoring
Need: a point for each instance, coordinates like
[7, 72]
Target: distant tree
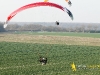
[49, 28]
[89, 28]
[1, 27]
[12, 27]
[82, 28]
[43, 28]
[77, 29]
[95, 28]
[69, 29]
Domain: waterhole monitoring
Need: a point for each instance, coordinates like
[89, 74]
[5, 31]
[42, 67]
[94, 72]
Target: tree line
[1, 27]
[51, 28]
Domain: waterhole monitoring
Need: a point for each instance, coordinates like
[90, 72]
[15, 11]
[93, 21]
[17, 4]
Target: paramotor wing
[37, 4]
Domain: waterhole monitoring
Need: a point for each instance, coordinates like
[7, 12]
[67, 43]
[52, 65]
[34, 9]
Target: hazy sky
[83, 11]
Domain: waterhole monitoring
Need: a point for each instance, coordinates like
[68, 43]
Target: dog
[43, 60]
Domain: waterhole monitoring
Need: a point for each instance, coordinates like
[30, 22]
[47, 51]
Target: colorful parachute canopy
[69, 12]
[36, 5]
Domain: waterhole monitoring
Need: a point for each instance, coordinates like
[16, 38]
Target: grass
[93, 35]
[19, 54]
[22, 59]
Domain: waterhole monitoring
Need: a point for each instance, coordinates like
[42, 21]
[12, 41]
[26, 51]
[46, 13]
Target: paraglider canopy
[38, 4]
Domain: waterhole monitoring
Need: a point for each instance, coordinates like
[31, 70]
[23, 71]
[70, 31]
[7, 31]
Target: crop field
[19, 54]
[94, 35]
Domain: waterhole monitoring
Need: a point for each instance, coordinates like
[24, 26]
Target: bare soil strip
[49, 39]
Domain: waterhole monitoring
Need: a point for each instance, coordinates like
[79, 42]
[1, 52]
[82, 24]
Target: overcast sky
[83, 11]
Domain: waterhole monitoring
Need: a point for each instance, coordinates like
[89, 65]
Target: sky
[85, 11]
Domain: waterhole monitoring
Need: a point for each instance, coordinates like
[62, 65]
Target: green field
[22, 59]
[20, 51]
[94, 35]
